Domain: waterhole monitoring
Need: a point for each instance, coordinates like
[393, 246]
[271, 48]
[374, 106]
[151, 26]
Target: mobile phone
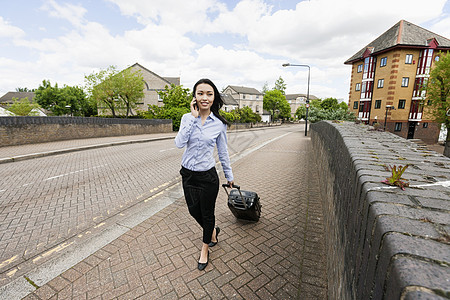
[195, 105]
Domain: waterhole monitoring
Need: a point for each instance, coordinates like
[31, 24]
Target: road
[53, 204]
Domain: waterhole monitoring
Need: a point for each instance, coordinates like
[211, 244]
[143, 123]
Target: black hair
[218, 102]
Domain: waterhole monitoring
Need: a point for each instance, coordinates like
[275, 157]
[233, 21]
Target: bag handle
[226, 185]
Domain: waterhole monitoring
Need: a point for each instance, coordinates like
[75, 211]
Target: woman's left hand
[231, 183]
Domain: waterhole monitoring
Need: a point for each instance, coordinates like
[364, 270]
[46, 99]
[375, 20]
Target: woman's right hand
[194, 108]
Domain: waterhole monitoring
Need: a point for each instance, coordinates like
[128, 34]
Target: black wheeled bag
[244, 205]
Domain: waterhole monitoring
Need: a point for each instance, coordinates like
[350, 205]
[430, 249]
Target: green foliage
[129, 85]
[329, 103]
[117, 90]
[25, 89]
[23, 107]
[275, 102]
[438, 95]
[241, 115]
[396, 178]
[176, 101]
[176, 96]
[438, 90]
[280, 85]
[327, 109]
[64, 101]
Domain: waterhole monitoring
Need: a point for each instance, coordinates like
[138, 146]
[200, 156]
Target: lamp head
[286, 65]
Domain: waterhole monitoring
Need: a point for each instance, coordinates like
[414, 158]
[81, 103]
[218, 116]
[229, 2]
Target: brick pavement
[280, 257]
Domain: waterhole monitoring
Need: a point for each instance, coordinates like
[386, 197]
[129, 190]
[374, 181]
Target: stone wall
[383, 242]
[29, 130]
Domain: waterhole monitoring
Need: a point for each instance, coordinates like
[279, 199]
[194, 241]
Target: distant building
[7, 99]
[390, 71]
[153, 84]
[296, 100]
[229, 103]
[5, 113]
[246, 96]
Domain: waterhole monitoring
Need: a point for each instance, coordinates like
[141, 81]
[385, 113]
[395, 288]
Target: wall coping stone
[394, 244]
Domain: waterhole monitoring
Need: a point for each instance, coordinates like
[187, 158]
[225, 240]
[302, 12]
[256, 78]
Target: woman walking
[200, 131]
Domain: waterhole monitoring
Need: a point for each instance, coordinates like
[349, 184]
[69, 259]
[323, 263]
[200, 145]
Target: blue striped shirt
[200, 141]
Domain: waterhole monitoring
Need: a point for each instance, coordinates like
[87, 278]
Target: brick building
[387, 79]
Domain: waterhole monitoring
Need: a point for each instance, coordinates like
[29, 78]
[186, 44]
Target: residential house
[387, 79]
[246, 96]
[7, 99]
[229, 103]
[296, 100]
[153, 84]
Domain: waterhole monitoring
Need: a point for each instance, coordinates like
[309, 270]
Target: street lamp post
[307, 94]
[388, 107]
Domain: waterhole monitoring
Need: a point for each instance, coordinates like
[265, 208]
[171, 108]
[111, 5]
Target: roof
[295, 96]
[229, 100]
[5, 112]
[174, 80]
[245, 90]
[169, 80]
[403, 34]
[8, 97]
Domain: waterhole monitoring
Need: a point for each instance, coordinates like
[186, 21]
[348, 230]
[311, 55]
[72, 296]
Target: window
[398, 126]
[408, 59]
[380, 83]
[243, 96]
[383, 61]
[358, 87]
[360, 68]
[425, 125]
[401, 104]
[159, 98]
[377, 104]
[355, 105]
[405, 81]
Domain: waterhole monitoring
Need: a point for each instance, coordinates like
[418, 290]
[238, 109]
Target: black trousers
[200, 191]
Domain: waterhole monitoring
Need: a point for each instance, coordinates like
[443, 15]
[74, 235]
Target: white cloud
[326, 28]
[241, 45]
[72, 13]
[9, 31]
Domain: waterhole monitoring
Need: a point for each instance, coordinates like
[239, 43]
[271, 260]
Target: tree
[117, 90]
[438, 95]
[329, 103]
[130, 88]
[23, 107]
[327, 109]
[80, 104]
[280, 85]
[275, 102]
[25, 89]
[64, 101]
[50, 98]
[177, 101]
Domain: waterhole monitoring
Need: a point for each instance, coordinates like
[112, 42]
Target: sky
[231, 42]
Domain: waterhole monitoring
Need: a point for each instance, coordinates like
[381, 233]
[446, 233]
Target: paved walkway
[280, 257]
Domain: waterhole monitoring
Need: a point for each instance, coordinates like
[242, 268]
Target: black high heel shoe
[202, 266]
[212, 244]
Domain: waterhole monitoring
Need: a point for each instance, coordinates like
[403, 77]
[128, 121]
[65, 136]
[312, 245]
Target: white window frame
[408, 59]
[405, 81]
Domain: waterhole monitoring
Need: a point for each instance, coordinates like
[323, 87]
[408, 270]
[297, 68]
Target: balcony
[415, 112]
